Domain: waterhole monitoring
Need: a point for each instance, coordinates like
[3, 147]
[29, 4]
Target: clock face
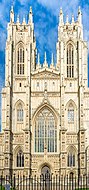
[70, 115]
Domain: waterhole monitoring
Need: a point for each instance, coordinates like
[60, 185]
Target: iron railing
[44, 182]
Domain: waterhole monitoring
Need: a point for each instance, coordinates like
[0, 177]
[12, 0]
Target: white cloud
[54, 5]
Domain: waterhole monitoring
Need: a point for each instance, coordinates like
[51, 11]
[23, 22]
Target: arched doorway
[45, 170]
[46, 177]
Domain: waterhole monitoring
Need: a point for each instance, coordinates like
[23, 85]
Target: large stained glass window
[45, 132]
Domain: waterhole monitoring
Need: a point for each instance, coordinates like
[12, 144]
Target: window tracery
[20, 61]
[70, 113]
[20, 159]
[20, 113]
[71, 159]
[45, 132]
[70, 61]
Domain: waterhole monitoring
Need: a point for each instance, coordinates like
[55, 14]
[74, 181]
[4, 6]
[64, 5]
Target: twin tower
[45, 108]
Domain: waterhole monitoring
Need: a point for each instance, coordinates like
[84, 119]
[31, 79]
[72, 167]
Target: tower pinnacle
[79, 15]
[67, 19]
[11, 15]
[18, 19]
[72, 18]
[61, 17]
[30, 15]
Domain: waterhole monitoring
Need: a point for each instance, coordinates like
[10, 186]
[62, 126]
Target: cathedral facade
[45, 109]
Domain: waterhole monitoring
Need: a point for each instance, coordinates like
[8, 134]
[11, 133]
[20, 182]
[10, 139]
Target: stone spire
[67, 19]
[45, 60]
[11, 15]
[18, 19]
[52, 62]
[38, 65]
[72, 18]
[38, 59]
[30, 15]
[79, 16]
[24, 21]
[61, 17]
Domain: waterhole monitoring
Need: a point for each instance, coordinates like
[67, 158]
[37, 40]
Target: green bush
[2, 188]
[82, 189]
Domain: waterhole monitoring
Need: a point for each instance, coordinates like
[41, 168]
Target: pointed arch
[43, 164]
[19, 156]
[70, 42]
[71, 156]
[71, 115]
[41, 107]
[45, 129]
[70, 59]
[17, 148]
[70, 102]
[20, 43]
[20, 111]
[19, 102]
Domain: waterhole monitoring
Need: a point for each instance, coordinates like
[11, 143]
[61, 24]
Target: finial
[45, 58]
[30, 15]
[61, 11]
[79, 10]
[12, 9]
[38, 59]
[72, 18]
[52, 61]
[30, 10]
[12, 14]
[24, 20]
[18, 18]
[67, 19]
[79, 15]
[61, 17]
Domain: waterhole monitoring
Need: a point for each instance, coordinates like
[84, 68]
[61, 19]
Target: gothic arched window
[70, 113]
[71, 159]
[70, 61]
[45, 132]
[20, 113]
[20, 61]
[20, 159]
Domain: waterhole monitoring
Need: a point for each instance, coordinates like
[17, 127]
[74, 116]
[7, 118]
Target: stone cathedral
[45, 109]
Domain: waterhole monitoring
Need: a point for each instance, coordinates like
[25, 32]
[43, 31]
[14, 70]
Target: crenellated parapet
[70, 29]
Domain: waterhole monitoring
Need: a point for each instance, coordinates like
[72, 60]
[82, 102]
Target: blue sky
[46, 20]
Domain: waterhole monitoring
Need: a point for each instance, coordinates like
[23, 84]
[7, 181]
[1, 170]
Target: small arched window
[20, 159]
[70, 61]
[70, 113]
[20, 113]
[20, 61]
[71, 159]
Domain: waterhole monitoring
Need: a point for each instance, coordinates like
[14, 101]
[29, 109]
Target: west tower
[45, 108]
